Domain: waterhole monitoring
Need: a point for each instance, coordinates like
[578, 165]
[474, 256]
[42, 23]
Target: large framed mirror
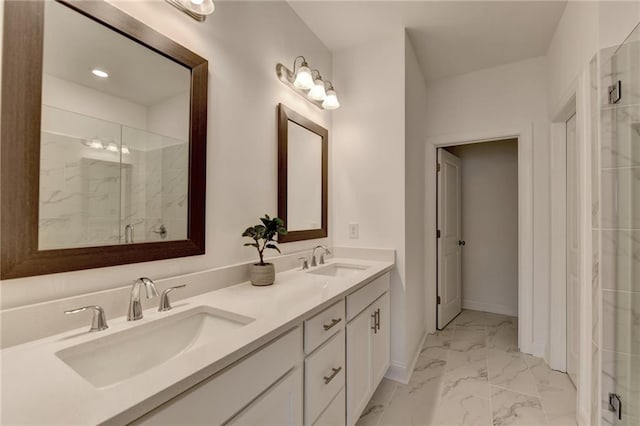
[303, 157]
[103, 140]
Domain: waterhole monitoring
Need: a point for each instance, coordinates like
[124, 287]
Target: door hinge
[438, 233]
[615, 92]
[438, 300]
[438, 167]
[615, 404]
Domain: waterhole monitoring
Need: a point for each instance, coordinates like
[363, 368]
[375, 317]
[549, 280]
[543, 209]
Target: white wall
[490, 226]
[572, 47]
[584, 29]
[508, 97]
[69, 96]
[170, 117]
[243, 41]
[415, 136]
[367, 161]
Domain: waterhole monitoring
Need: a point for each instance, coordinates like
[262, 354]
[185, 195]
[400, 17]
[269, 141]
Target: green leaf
[274, 247]
[251, 245]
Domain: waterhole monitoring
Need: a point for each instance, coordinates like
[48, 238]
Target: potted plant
[263, 238]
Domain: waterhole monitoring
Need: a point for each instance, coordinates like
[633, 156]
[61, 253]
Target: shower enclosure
[620, 233]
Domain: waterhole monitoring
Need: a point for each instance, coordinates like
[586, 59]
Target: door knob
[461, 242]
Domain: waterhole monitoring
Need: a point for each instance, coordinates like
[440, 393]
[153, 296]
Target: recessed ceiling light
[99, 73]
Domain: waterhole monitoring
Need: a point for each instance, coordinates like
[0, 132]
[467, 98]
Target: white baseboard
[402, 373]
[494, 308]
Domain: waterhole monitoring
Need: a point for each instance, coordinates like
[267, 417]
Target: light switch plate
[354, 231]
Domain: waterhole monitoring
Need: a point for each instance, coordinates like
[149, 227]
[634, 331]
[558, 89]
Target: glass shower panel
[158, 207]
[621, 231]
[80, 181]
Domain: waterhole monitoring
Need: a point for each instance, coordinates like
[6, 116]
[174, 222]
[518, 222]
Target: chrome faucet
[313, 255]
[99, 321]
[135, 308]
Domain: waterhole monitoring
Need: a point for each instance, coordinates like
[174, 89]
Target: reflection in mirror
[114, 158]
[302, 176]
[304, 179]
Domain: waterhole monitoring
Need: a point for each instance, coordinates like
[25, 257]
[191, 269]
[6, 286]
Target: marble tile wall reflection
[619, 260]
[89, 195]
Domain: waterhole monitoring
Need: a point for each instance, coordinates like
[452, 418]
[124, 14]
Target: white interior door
[572, 250]
[449, 238]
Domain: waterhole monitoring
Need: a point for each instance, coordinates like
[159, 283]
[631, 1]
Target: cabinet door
[359, 343]
[381, 343]
[280, 405]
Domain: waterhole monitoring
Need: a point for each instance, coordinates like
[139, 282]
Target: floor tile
[511, 408]
[471, 373]
[467, 379]
[375, 408]
[509, 371]
[460, 408]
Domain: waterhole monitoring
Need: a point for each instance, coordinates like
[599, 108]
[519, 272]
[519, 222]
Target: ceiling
[449, 37]
[74, 45]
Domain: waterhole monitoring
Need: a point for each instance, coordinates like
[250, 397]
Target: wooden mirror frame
[20, 150]
[284, 116]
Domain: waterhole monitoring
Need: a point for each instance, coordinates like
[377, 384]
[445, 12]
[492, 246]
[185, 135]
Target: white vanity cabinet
[263, 388]
[321, 373]
[368, 344]
[324, 366]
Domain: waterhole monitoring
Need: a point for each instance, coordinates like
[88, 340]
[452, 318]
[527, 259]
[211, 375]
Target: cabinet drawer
[220, 397]
[324, 373]
[362, 298]
[322, 326]
[334, 415]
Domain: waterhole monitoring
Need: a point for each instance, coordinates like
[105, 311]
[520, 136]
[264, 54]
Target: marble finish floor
[471, 373]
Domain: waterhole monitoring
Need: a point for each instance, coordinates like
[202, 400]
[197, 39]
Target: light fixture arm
[302, 64]
[319, 76]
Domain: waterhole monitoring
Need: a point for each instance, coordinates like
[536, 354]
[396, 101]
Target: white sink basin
[339, 270]
[122, 355]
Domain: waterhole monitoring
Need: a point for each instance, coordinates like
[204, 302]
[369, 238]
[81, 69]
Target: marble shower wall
[88, 195]
[620, 232]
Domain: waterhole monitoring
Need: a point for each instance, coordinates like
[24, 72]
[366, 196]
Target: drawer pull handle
[327, 380]
[334, 322]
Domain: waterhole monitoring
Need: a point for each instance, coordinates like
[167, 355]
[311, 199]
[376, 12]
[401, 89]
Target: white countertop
[39, 388]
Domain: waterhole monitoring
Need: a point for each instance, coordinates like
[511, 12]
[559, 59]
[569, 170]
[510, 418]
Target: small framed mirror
[103, 140]
[303, 157]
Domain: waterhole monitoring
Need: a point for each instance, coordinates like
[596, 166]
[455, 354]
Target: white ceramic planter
[262, 275]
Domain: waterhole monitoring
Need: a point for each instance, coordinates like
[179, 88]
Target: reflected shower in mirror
[302, 181]
[114, 154]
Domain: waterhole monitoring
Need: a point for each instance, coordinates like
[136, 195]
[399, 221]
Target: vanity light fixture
[112, 147]
[94, 143]
[99, 73]
[302, 80]
[125, 150]
[331, 101]
[197, 9]
[317, 92]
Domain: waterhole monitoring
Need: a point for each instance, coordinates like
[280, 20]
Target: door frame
[576, 99]
[524, 135]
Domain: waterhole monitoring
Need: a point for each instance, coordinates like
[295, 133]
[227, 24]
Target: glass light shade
[112, 147]
[304, 80]
[200, 7]
[96, 144]
[317, 92]
[331, 101]
[125, 149]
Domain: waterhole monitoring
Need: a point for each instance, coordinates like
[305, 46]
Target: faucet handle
[305, 263]
[99, 321]
[165, 303]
